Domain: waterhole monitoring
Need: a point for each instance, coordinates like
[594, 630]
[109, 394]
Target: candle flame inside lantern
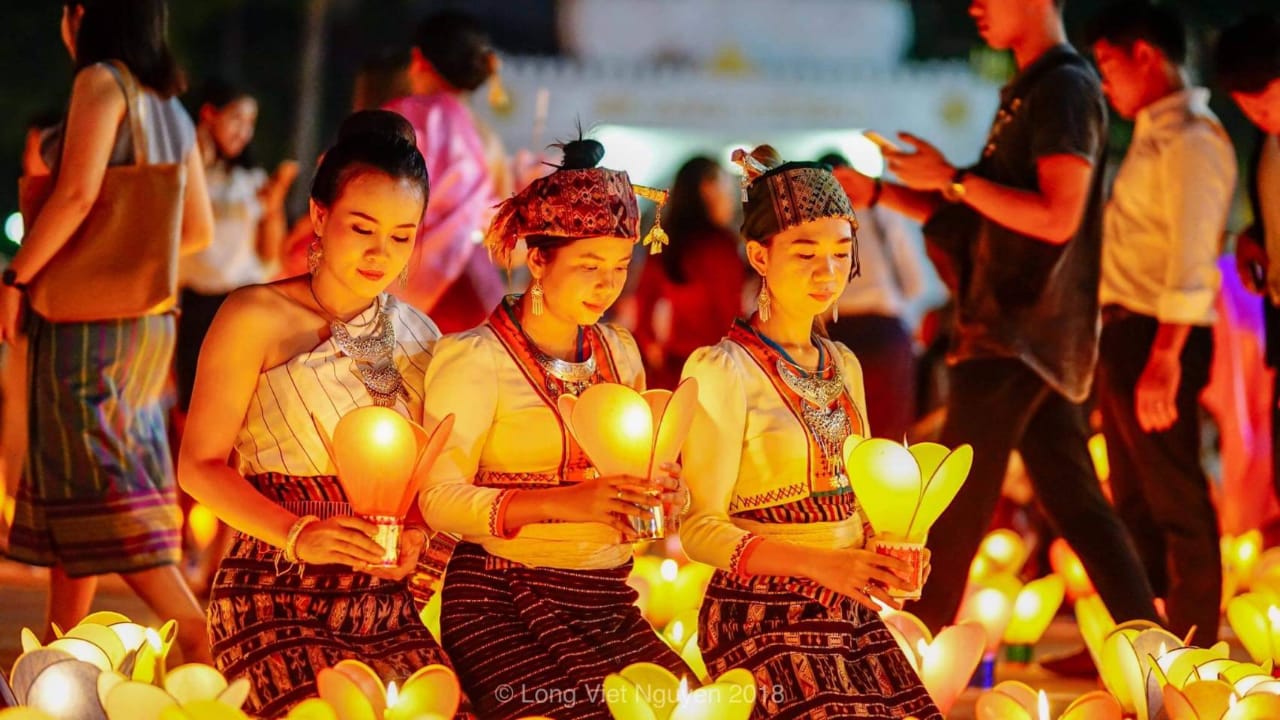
[924, 650]
[1043, 706]
[393, 694]
[636, 422]
[669, 570]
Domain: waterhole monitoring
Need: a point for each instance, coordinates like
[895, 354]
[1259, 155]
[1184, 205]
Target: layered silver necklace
[373, 354]
[825, 417]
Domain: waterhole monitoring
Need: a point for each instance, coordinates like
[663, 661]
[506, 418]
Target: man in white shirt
[1161, 232]
[1248, 67]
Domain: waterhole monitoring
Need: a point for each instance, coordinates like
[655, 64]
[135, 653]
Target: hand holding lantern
[903, 490]
[380, 456]
[632, 434]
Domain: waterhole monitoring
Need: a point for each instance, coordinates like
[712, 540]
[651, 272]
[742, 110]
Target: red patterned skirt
[279, 629]
[539, 641]
[815, 654]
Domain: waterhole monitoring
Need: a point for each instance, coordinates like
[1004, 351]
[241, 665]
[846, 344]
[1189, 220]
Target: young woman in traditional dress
[282, 361]
[793, 599]
[535, 605]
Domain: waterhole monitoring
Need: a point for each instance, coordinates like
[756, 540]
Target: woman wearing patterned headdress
[301, 589]
[793, 598]
[536, 610]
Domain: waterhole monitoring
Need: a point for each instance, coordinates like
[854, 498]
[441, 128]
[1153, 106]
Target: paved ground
[22, 605]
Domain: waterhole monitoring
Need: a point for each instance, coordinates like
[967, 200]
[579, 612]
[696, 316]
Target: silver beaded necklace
[372, 354]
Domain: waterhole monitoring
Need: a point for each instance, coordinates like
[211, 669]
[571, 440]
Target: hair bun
[581, 154]
[757, 162]
[381, 124]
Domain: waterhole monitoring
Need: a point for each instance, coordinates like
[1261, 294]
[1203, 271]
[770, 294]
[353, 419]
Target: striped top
[280, 435]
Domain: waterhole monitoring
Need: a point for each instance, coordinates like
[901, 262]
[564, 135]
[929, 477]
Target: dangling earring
[314, 252]
[835, 313]
[535, 293]
[764, 302]
[404, 277]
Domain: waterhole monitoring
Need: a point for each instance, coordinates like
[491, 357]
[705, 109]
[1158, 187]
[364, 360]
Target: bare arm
[1053, 214]
[230, 362]
[97, 109]
[197, 212]
[919, 205]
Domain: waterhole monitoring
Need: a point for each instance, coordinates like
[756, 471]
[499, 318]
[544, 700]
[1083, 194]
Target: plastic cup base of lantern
[652, 525]
[984, 678]
[1020, 654]
[913, 555]
[388, 537]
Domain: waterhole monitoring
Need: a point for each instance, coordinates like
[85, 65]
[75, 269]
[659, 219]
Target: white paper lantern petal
[28, 667]
[104, 617]
[83, 650]
[673, 421]
[137, 701]
[30, 641]
[998, 706]
[624, 700]
[236, 693]
[102, 636]
[107, 682]
[67, 690]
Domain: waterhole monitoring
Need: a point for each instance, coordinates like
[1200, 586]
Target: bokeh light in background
[13, 228]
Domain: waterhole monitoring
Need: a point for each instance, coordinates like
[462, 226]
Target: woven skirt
[98, 494]
[280, 627]
[811, 659]
[540, 641]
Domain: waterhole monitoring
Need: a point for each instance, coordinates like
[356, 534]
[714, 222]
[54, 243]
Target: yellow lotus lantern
[903, 489]
[1033, 609]
[1266, 575]
[992, 609]
[1128, 656]
[189, 690]
[1240, 557]
[1066, 563]
[1002, 552]
[625, 432]
[380, 456]
[1257, 623]
[355, 692]
[24, 713]
[1012, 700]
[944, 663]
[645, 691]
[682, 635]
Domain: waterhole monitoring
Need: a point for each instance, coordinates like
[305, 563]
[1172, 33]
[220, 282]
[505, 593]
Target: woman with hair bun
[535, 609]
[794, 595]
[449, 275]
[299, 591]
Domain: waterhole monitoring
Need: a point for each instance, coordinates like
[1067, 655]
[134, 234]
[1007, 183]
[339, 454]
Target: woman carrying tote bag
[98, 273]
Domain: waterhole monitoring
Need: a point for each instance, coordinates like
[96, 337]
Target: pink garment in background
[461, 204]
[1239, 396]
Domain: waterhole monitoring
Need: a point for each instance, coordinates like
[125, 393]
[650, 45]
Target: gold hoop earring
[764, 302]
[536, 305]
[404, 277]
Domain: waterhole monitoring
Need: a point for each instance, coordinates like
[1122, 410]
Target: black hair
[370, 140]
[686, 219]
[383, 77]
[835, 160]
[457, 47]
[580, 154]
[1248, 54]
[135, 32]
[1125, 23]
[218, 93]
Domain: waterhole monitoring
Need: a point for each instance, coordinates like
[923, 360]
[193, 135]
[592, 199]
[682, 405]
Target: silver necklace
[825, 417]
[574, 377]
[372, 354]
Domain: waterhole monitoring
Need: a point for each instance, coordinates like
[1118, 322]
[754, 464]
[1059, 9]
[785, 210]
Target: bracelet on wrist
[291, 542]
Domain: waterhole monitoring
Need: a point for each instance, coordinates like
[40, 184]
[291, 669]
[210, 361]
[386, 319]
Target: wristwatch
[954, 192]
[10, 279]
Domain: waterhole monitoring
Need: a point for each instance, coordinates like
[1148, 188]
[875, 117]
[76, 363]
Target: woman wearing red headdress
[536, 610]
[793, 599]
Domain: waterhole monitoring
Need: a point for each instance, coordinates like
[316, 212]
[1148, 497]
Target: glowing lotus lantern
[1011, 700]
[191, 690]
[1002, 552]
[355, 692]
[645, 691]
[1066, 563]
[992, 609]
[1240, 556]
[625, 432]
[1128, 655]
[1033, 609]
[379, 454]
[1257, 623]
[903, 490]
[944, 663]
